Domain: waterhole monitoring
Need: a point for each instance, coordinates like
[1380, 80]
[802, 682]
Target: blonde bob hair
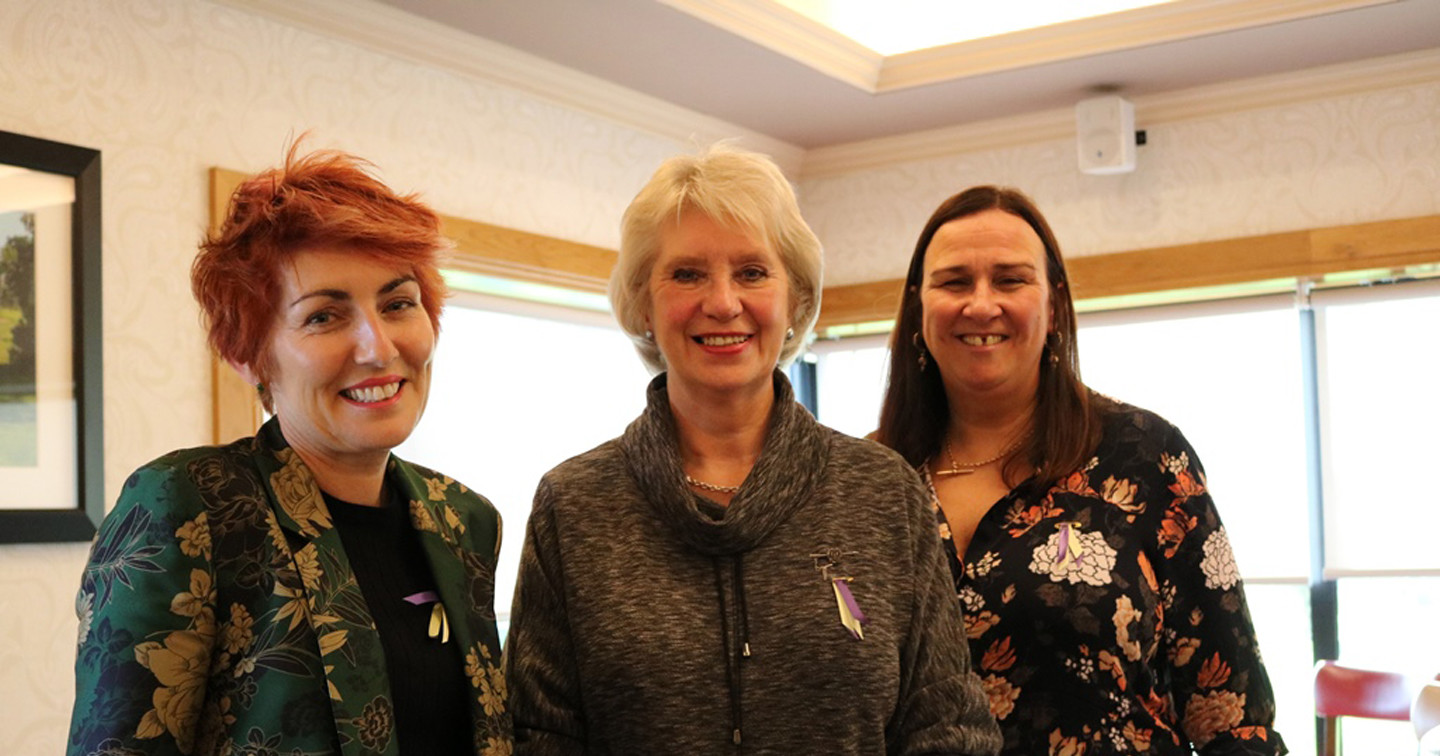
[739, 189]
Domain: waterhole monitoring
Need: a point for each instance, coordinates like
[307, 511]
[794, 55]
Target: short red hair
[326, 199]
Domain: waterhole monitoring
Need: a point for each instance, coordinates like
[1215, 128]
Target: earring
[789, 334]
[649, 335]
[1054, 348]
[919, 347]
[260, 388]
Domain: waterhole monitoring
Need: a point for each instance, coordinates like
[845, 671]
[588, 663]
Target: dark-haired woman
[302, 591]
[1102, 603]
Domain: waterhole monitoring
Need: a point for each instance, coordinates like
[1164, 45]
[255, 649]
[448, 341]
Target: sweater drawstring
[734, 654]
[743, 606]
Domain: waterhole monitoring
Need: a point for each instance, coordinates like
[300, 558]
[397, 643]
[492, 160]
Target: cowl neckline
[792, 461]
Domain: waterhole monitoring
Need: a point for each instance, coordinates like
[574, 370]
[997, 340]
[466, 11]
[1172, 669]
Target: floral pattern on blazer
[219, 614]
[1106, 614]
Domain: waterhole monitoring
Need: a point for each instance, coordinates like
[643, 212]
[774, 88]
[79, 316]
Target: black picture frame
[82, 164]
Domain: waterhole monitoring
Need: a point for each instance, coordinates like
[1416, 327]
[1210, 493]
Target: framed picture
[51, 438]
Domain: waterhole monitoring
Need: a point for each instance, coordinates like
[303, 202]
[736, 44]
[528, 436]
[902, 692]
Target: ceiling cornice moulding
[1313, 84]
[794, 35]
[1183, 19]
[778, 28]
[391, 31]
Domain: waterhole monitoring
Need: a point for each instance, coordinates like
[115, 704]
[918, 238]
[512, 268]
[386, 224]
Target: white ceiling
[758, 66]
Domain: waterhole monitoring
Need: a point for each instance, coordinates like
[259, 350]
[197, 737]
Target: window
[1379, 371]
[517, 389]
[850, 382]
[1379, 409]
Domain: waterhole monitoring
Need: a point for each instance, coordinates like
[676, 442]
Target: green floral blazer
[219, 614]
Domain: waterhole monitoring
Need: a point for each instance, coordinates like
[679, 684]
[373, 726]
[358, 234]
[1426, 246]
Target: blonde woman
[728, 576]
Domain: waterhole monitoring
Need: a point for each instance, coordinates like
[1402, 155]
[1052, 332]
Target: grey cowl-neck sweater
[650, 620]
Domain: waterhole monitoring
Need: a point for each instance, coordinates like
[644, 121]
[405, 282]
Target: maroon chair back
[1342, 691]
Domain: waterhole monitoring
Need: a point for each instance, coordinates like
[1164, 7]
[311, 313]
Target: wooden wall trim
[236, 412]
[237, 405]
[1294, 254]
[498, 251]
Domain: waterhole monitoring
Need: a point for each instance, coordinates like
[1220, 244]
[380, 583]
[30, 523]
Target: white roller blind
[1379, 354]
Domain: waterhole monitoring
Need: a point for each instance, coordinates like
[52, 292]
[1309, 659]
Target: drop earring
[920, 348]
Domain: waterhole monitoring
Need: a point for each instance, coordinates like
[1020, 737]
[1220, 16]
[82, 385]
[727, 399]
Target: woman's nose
[373, 344]
[722, 300]
[982, 303]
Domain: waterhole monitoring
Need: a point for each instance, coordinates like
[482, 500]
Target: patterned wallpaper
[1368, 157]
[168, 88]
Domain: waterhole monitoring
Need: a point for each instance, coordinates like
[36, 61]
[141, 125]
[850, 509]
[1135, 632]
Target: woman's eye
[319, 318]
[686, 275]
[398, 305]
[753, 275]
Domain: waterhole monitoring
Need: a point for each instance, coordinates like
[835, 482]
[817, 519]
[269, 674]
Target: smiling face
[719, 306]
[349, 368]
[986, 306]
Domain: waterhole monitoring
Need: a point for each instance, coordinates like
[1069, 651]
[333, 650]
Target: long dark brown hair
[915, 414]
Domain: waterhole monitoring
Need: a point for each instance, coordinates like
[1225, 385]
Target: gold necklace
[970, 467]
[711, 486]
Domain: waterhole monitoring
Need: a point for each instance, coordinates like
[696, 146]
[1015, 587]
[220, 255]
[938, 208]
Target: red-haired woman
[302, 590]
[1104, 611]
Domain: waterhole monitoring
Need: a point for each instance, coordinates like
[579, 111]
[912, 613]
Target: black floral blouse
[1106, 615]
